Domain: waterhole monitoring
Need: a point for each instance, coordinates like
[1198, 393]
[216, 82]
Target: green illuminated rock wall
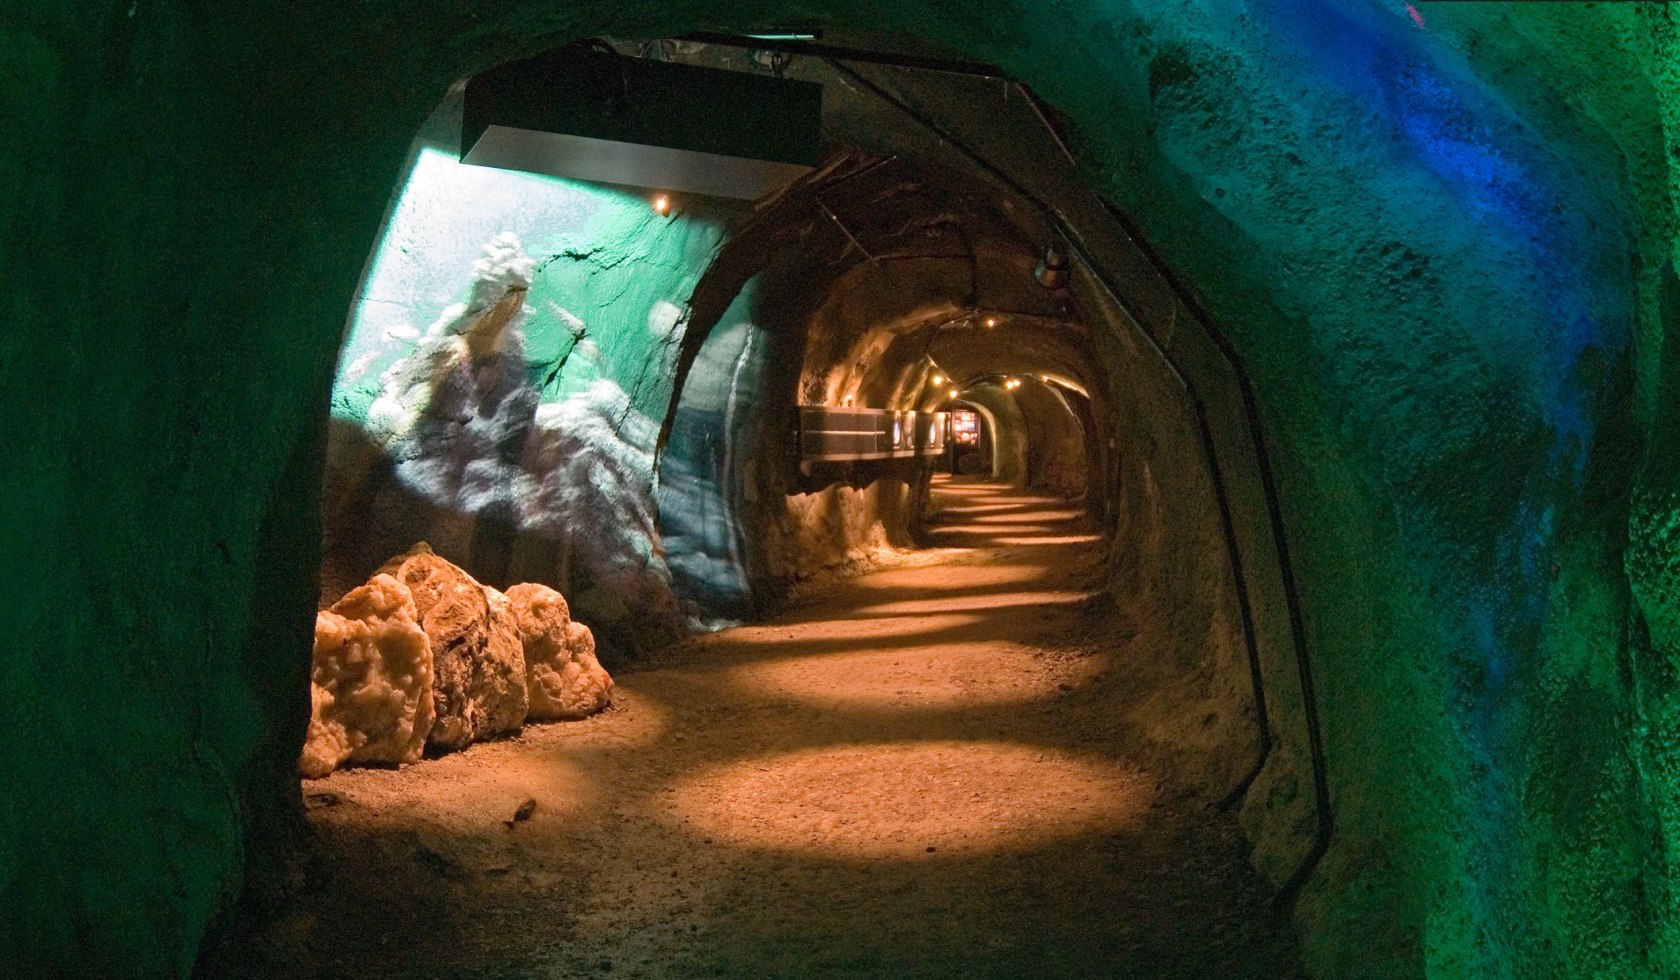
[1443, 245]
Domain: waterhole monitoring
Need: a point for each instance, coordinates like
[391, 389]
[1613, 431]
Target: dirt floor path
[915, 772]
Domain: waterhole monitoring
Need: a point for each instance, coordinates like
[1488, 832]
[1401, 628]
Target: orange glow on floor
[910, 799]
[943, 677]
[976, 603]
[1047, 539]
[984, 577]
[827, 631]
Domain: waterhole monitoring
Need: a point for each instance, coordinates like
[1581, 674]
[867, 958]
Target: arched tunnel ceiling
[895, 256]
[1032, 347]
[921, 232]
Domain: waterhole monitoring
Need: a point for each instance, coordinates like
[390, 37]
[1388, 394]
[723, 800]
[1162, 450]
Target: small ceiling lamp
[939, 379]
[991, 322]
[1052, 271]
[662, 205]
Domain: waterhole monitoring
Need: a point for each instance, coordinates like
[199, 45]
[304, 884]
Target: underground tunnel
[846, 434]
[1157, 490]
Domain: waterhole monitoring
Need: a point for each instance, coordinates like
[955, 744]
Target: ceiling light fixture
[588, 113]
[786, 36]
[991, 322]
[662, 205]
[1052, 271]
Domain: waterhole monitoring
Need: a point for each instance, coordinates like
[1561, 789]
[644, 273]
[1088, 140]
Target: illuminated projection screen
[965, 427]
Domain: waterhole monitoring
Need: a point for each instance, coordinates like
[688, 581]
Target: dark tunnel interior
[1119, 489]
[651, 402]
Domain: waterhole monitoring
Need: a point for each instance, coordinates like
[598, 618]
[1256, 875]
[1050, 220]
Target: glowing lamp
[991, 321]
[662, 205]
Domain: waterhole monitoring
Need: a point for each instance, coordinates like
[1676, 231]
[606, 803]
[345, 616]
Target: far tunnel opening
[1001, 653]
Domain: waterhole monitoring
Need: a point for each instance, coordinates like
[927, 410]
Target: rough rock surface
[371, 690]
[478, 686]
[563, 676]
[464, 445]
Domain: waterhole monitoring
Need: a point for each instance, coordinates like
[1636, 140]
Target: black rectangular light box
[588, 114]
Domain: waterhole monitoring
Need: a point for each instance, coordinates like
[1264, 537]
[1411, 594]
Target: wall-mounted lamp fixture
[1012, 383]
[662, 205]
[991, 322]
[939, 379]
[1052, 271]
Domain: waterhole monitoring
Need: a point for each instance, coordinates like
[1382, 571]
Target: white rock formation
[511, 486]
[561, 672]
[371, 688]
[478, 661]
[590, 460]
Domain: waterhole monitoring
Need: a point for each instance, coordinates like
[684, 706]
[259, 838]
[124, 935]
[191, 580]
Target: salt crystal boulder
[371, 687]
[564, 677]
[501, 671]
[478, 662]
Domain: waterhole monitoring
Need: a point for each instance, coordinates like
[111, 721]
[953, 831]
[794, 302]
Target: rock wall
[1004, 440]
[1440, 349]
[739, 519]
[1056, 460]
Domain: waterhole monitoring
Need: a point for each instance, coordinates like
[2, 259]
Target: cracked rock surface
[478, 687]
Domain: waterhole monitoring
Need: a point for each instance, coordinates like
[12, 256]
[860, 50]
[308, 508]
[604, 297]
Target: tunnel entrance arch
[1135, 344]
[1216, 441]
